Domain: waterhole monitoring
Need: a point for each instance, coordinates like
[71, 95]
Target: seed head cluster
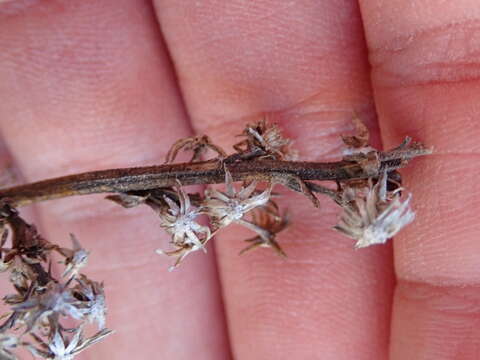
[58, 316]
[373, 209]
[42, 304]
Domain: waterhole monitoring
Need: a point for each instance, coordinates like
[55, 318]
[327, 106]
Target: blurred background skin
[95, 84]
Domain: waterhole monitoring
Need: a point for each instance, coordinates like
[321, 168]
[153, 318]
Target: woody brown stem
[197, 173]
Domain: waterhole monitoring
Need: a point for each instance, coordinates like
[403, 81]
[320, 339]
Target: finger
[303, 64]
[424, 72]
[87, 85]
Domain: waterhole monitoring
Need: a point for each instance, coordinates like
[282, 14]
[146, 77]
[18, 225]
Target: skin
[99, 84]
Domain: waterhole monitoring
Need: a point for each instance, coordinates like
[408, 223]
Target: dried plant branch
[208, 172]
[368, 189]
[263, 155]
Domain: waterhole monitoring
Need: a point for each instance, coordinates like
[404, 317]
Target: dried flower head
[268, 222]
[197, 144]
[42, 304]
[56, 298]
[91, 298]
[180, 221]
[372, 215]
[267, 138]
[62, 347]
[229, 207]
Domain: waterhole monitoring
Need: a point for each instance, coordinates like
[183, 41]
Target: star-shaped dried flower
[57, 298]
[59, 347]
[227, 207]
[92, 300]
[372, 216]
[180, 221]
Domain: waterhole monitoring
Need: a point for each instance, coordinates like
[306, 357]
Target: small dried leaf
[361, 137]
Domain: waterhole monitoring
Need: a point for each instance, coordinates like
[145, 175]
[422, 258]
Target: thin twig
[204, 172]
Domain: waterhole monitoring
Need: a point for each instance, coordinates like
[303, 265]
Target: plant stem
[196, 173]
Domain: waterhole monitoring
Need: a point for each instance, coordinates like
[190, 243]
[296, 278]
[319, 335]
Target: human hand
[99, 84]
